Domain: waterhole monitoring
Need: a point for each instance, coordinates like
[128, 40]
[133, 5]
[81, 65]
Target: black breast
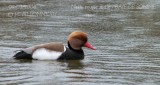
[71, 54]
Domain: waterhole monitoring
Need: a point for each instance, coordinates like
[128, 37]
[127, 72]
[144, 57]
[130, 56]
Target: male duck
[57, 51]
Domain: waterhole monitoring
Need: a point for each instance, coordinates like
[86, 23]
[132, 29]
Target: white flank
[44, 54]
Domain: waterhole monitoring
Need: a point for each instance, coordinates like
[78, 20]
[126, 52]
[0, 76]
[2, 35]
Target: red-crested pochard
[57, 51]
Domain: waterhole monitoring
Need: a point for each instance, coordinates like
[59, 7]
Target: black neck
[73, 49]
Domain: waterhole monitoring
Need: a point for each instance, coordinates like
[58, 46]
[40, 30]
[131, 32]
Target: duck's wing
[52, 46]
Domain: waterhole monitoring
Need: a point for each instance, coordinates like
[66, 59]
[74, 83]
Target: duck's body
[57, 51]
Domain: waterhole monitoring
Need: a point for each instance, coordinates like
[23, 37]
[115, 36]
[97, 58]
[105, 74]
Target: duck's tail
[22, 55]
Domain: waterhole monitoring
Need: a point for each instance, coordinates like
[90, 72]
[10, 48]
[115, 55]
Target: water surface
[126, 34]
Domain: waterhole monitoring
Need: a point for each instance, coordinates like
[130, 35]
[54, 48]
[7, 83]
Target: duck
[56, 50]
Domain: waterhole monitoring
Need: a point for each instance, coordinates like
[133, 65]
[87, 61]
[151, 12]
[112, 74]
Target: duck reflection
[73, 64]
[70, 64]
[23, 60]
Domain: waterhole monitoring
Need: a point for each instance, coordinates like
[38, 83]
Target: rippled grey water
[126, 34]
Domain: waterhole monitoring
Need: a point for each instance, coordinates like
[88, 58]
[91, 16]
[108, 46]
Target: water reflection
[73, 64]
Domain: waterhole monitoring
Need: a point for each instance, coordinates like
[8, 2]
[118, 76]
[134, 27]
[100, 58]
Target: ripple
[157, 23]
[117, 16]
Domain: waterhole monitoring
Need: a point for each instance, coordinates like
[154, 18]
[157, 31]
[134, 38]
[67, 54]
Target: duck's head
[78, 39]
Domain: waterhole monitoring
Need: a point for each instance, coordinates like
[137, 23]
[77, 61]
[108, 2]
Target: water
[126, 34]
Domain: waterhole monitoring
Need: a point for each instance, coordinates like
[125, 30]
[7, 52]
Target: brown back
[53, 46]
